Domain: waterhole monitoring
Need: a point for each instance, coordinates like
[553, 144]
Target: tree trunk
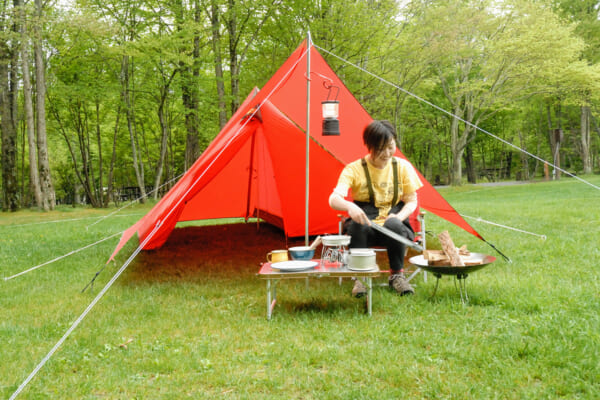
[236, 57]
[34, 177]
[9, 134]
[137, 165]
[113, 159]
[234, 66]
[218, 62]
[555, 135]
[8, 158]
[594, 160]
[457, 149]
[586, 140]
[82, 173]
[164, 137]
[102, 201]
[470, 164]
[86, 177]
[48, 195]
[190, 97]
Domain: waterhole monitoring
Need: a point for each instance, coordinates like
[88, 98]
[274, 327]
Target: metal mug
[277, 256]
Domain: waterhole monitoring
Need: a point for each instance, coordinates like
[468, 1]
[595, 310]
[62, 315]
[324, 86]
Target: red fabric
[256, 165]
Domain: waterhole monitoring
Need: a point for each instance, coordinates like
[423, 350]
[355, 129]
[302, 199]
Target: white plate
[295, 265]
[369, 269]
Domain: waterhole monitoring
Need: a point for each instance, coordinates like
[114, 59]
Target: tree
[501, 52]
[8, 107]
[584, 13]
[241, 21]
[34, 176]
[48, 195]
[190, 74]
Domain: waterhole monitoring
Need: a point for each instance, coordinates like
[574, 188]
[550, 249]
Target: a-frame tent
[255, 167]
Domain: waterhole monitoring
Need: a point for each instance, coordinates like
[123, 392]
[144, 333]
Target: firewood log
[450, 250]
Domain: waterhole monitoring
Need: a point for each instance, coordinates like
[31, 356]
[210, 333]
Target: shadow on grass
[321, 306]
[218, 251]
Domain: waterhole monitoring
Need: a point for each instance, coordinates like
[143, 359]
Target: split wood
[449, 255]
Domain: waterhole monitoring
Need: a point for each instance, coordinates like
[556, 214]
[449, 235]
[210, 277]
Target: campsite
[155, 155]
[176, 325]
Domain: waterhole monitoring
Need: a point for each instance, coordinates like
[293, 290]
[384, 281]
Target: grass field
[189, 320]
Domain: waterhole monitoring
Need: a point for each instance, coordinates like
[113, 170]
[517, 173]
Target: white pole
[307, 178]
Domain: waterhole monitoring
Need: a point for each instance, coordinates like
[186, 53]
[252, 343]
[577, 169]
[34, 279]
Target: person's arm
[410, 205]
[337, 202]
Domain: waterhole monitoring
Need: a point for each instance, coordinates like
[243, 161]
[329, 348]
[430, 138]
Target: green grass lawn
[189, 320]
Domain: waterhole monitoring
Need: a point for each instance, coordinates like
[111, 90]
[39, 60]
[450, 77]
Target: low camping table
[273, 276]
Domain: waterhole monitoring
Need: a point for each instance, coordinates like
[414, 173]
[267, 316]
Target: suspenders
[370, 183]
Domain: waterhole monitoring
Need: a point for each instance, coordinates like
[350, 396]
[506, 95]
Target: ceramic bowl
[301, 253]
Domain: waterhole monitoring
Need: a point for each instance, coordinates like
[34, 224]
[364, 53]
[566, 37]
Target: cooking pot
[362, 259]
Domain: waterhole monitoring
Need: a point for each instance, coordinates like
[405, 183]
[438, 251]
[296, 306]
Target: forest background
[105, 101]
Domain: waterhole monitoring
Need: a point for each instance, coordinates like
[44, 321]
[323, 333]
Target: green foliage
[188, 320]
[488, 62]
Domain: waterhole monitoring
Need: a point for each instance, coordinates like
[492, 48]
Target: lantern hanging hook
[329, 85]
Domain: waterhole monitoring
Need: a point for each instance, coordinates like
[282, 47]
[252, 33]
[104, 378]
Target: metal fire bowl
[483, 260]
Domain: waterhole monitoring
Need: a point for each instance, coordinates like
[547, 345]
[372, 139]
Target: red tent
[255, 167]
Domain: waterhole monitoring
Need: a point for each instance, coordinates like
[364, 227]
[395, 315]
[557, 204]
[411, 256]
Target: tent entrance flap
[275, 220]
[250, 174]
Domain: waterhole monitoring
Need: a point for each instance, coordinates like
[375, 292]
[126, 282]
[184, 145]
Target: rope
[543, 237]
[61, 257]
[61, 220]
[89, 245]
[83, 315]
[457, 117]
[135, 253]
[135, 200]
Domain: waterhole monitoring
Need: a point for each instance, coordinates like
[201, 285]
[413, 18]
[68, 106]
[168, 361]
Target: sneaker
[399, 283]
[359, 289]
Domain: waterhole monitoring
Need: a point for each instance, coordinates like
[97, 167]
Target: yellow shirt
[353, 178]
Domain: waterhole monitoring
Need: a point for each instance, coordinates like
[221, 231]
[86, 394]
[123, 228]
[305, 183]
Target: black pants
[364, 236]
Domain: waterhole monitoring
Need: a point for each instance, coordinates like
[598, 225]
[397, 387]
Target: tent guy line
[121, 270]
[479, 219]
[457, 117]
[61, 257]
[63, 220]
[136, 200]
[87, 227]
[81, 317]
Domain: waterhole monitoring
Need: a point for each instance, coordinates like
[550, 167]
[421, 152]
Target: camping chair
[418, 224]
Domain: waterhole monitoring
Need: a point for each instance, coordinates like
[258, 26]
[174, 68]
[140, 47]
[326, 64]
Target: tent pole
[306, 189]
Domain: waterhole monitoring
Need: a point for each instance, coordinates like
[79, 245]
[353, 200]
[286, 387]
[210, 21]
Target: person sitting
[384, 191]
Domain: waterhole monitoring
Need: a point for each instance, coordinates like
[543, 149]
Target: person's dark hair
[378, 134]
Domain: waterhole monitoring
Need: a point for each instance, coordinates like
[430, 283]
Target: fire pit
[474, 262]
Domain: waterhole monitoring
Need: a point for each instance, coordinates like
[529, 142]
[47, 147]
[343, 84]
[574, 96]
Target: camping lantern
[331, 111]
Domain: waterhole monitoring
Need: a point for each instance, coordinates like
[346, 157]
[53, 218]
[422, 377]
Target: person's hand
[358, 215]
[393, 216]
